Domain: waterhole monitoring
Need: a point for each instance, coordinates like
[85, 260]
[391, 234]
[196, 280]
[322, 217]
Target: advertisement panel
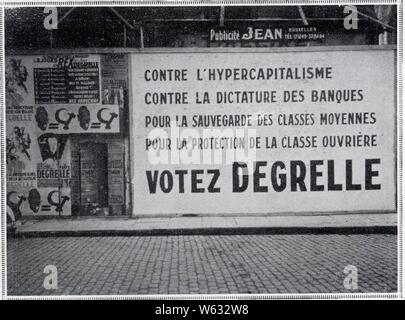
[263, 131]
[266, 34]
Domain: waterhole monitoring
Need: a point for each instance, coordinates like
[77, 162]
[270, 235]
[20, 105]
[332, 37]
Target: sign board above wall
[267, 34]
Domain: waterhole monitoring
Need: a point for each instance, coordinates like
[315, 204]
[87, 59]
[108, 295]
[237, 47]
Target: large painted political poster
[260, 131]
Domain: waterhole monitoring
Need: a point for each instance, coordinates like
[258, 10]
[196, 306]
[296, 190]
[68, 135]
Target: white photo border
[176, 3]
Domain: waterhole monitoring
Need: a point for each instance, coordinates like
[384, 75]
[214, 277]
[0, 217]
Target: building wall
[39, 179]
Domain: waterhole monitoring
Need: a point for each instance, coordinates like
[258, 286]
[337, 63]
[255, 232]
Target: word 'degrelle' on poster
[263, 132]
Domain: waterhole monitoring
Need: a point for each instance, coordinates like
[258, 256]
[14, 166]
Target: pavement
[204, 264]
[205, 255]
[174, 225]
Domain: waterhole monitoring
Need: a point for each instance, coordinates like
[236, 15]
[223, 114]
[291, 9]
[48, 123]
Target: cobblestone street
[217, 264]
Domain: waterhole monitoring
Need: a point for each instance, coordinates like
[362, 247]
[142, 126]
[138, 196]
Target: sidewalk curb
[209, 231]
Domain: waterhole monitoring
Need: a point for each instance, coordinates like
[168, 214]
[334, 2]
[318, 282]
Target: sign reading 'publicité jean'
[267, 34]
[263, 132]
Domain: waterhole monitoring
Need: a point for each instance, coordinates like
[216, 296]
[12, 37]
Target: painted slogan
[263, 132]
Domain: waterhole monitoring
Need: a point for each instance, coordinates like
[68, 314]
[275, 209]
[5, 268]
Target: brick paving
[202, 264]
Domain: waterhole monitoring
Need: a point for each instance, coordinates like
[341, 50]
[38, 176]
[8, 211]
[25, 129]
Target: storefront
[230, 116]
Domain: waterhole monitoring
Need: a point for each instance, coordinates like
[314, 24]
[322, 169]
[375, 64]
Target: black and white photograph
[201, 150]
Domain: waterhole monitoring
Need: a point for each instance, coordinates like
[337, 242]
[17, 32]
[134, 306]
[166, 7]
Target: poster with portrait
[38, 166]
[76, 118]
[22, 192]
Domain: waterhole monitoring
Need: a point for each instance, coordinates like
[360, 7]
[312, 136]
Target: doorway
[93, 177]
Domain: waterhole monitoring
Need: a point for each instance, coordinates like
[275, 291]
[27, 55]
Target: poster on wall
[114, 85]
[114, 75]
[44, 95]
[116, 173]
[20, 161]
[38, 166]
[66, 79]
[263, 132]
[53, 79]
[67, 119]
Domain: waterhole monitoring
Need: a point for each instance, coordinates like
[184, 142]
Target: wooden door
[93, 174]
